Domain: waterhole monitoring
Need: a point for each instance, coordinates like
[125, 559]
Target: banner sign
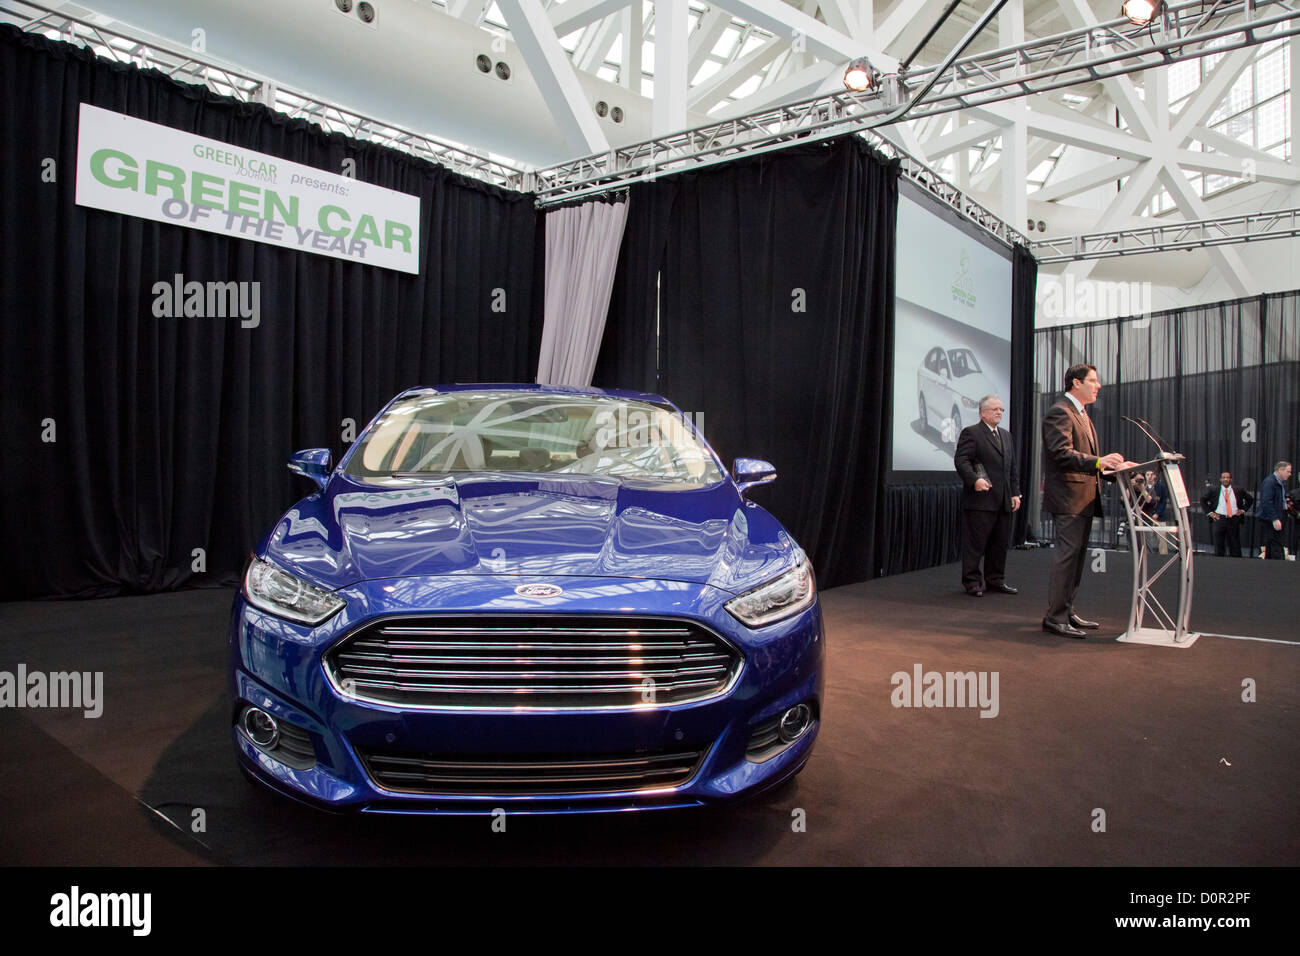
[130, 166]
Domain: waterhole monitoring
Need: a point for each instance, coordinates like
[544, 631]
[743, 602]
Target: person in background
[1271, 509]
[1159, 505]
[986, 462]
[1225, 508]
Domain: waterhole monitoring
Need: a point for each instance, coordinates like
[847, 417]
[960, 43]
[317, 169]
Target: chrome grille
[533, 662]
[535, 776]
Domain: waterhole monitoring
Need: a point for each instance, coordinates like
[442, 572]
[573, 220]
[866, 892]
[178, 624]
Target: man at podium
[1072, 467]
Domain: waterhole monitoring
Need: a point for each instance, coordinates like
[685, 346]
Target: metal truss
[1198, 234]
[1088, 54]
[189, 67]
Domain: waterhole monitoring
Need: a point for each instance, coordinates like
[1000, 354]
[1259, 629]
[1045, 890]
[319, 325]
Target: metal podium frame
[1170, 630]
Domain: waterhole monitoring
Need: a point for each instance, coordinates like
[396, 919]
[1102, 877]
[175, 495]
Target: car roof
[539, 389]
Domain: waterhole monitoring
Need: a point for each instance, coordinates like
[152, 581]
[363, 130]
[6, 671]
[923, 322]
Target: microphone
[1147, 430]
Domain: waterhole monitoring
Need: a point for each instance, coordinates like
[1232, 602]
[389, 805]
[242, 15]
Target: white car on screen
[949, 386]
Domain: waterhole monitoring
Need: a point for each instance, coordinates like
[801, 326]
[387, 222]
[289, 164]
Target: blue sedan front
[525, 599]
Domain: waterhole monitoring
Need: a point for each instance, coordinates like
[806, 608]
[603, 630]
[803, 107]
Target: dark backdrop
[774, 281]
[171, 434]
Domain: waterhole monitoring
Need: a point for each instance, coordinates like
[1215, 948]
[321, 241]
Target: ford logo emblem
[539, 590]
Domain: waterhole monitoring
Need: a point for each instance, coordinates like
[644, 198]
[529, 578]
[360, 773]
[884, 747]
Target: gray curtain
[582, 244]
[1220, 383]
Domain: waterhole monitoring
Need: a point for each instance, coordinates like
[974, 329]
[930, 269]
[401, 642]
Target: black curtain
[922, 527]
[776, 300]
[170, 435]
[1219, 383]
[629, 348]
[1020, 404]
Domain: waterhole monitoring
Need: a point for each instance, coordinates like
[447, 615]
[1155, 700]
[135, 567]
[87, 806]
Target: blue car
[525, 599]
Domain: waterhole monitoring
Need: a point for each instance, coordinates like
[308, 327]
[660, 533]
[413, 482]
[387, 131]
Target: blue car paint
[464, 545]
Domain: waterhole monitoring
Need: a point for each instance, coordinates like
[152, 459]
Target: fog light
[794, 722]
[261, 727]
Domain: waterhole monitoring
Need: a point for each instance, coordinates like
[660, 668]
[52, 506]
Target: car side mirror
[313, 463]
[749, 472]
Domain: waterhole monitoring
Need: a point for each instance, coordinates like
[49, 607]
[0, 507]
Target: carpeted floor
[1157, 740]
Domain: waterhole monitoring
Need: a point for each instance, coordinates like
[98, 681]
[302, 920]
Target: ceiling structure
[1203, 138]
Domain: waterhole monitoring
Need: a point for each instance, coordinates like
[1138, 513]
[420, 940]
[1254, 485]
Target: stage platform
[1159, 740]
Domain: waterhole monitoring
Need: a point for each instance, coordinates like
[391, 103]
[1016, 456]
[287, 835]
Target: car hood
[547, 526]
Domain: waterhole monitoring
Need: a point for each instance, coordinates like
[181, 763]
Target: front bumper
[276, 665]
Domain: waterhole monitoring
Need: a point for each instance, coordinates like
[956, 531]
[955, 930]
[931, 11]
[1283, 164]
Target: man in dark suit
[1225, 506]
[986, 462]
[1272, 509]
[1072, 467]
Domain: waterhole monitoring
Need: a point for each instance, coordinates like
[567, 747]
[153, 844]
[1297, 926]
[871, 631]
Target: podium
[1149, 621]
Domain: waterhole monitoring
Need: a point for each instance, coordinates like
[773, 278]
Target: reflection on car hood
[529, 525]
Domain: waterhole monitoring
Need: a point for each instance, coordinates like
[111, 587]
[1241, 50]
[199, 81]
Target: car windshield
[963, 362]
[435, 433]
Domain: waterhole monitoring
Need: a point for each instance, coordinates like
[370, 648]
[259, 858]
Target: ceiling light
[1141, 12]
[860, 76]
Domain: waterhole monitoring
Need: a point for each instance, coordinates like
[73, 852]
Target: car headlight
[781, 597]
[969, 402]
[278, 592]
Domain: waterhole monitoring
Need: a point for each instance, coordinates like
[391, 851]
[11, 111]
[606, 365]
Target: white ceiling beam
[596, 42]
[963, 137]
[1223, 143]
[672, 36]
[1294, 43]
[782, 66]
[633, 40]
[1131, 197]
[554, 74]
[1013, 159]
[1120, 89]
[840, 15]
[1039, 150]
[1107, 172]
[1226, 258]
[471, 11]
[1272, 170]
[576, 14]
[1211, 93]
[808, 82]
[903, 14]
[782, 20]
[721, 84]
[1088, 134]
[708, 31]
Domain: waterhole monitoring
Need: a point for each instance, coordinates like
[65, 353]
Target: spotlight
[860, 76]
[1141, 12]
